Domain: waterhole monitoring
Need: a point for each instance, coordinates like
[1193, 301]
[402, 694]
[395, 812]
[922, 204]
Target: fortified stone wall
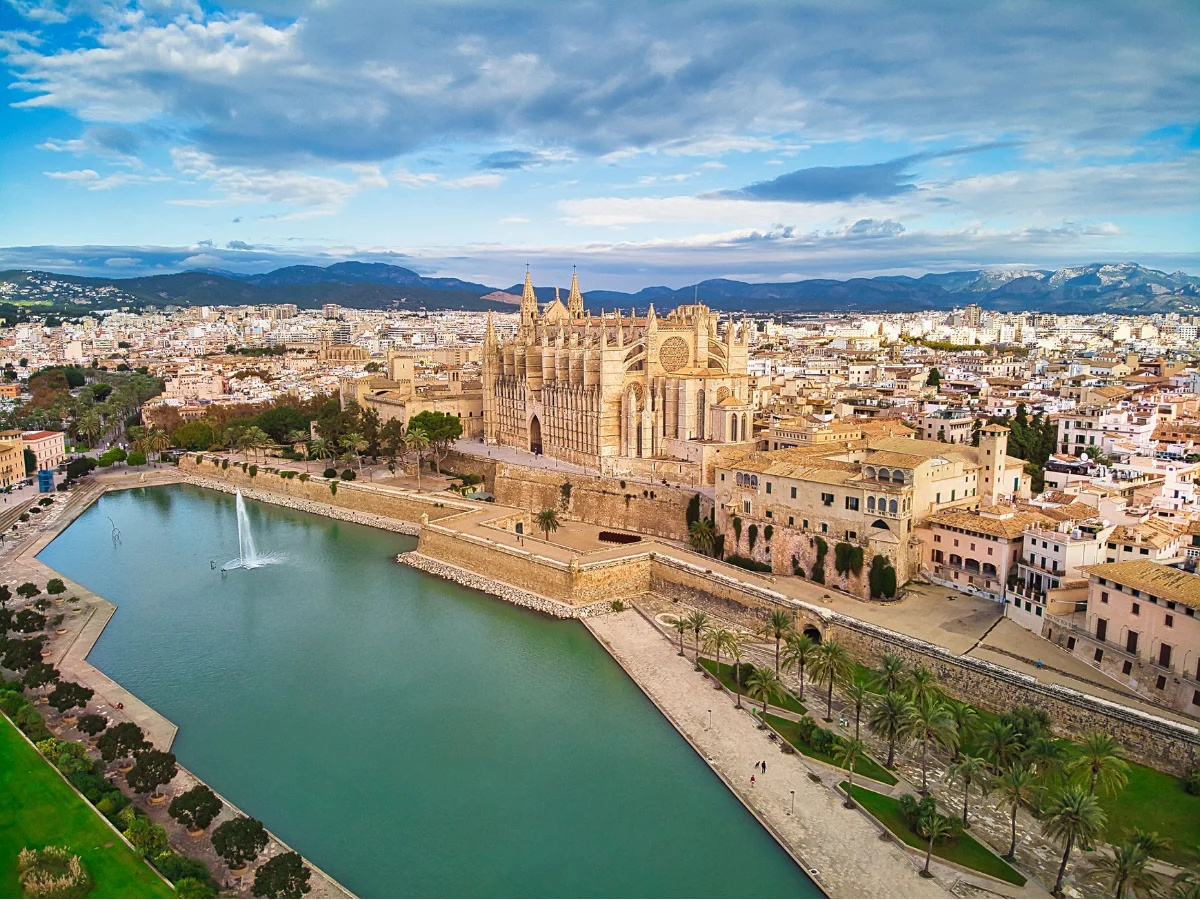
[514, 567]
[359, 498]
[1156, 742]
[605, 502]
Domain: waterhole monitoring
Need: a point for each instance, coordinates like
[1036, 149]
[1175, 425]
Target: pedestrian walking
[764, 767]
[751, 781]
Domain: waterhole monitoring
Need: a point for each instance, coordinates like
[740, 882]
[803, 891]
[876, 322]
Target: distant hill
[1100, 287]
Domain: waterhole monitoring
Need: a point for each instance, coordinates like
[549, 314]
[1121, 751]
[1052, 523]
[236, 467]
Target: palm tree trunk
[857, 719]
[1092, 787]
[801, 681]
[829, 701]
[718, 666]
[928, 853]
[850, 783]
[891, 760]
[1120, 891]
[696, 647]
[924, 767]
[1062, 869]
[1012, 848]
[966, 798]
[776, 653]
[737, 670]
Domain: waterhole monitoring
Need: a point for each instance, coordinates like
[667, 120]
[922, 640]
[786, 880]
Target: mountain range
[1099, 287]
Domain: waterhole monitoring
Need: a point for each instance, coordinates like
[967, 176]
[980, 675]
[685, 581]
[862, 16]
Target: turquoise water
[411, 737]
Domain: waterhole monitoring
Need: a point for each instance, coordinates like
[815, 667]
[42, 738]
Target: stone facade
[594, 389]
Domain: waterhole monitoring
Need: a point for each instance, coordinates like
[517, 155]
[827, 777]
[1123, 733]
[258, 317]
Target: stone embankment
[505, 592]
[308, 506]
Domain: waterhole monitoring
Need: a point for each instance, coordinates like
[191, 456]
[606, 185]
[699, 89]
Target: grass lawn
[39, 808]
[865, 766]
[966, 851]
[1156, 801]
[782, 700]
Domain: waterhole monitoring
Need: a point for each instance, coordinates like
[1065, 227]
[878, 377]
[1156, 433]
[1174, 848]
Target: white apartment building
[1102, 427]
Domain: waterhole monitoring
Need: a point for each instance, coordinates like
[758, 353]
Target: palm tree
[547, 521]
[1047, 756]
[1000, 744]
[1073, 815]
[1099, 759]
[921, 684]
[157, 441]
[1125, 866]
[417, 440]
[735, 650]
[891, 674]
[888, 717]
[1016, 788]
[680, 624]
[777, 626]
[858, 690]
[702, 536]
[356, 445]
[932, 827]
[928, 723]
[831, 665]
[762, 685]
[1187, 883]
[968, 769]
[798, 651]
[966, 719]
[716, 640]
[697, 621]
[847, 752]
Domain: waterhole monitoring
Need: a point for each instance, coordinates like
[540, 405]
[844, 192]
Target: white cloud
[489, 180]
[75, 175]
[514, 220]
[237, 184]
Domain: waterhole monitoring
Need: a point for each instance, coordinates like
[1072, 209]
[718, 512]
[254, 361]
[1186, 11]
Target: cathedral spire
[574, 297]
[529, 307]
[489, 334]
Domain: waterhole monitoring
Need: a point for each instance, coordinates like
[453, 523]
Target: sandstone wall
[1161, 743]
[605, 502]
[350, 495]
[516, 567]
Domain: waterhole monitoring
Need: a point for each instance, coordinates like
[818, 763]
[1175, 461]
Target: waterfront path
[839, 847]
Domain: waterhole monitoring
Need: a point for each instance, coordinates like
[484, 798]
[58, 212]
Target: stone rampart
[350, 495]
[614, 503]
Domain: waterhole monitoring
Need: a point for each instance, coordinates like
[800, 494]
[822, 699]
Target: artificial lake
[409, 736]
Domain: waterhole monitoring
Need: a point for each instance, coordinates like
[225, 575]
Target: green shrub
[347, 475]
[224, 464]
[752, 536]
[149, 839]
[253, 470]
[304, 476]
[746, 562]
[737, 529]
[333, 488]
[1191, 783]
[331, 472]
[692, 513]
[136, 458]
[798, 571]
[768, 533]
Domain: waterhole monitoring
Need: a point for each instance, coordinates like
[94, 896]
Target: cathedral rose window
[674, 354]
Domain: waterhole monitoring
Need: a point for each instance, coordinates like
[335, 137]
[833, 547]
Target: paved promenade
[841, 845]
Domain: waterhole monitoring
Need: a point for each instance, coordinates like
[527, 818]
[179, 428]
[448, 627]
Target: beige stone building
[591, 389]
[12, 463]
[402, 394]
[49, 448]
[1140, 627]
[875, 494]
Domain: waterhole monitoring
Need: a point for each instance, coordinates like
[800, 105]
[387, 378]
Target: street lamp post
[792, 811]
[709, 719]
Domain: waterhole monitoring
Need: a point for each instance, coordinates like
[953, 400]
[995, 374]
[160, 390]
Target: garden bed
[782, 700]
[964, 851]
[864, 766]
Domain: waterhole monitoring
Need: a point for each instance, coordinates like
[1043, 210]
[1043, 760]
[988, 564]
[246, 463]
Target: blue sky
[648, 143]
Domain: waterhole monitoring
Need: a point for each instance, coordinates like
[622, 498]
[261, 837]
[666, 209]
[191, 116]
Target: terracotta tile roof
[1008, 528]
[1162, 581]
